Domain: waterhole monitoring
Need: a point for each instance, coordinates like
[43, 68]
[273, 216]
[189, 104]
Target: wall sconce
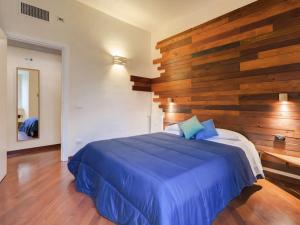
[170, 100]
[118, 60]
[283, 97]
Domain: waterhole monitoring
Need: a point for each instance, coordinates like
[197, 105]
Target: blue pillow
[190, 127]
[209, 130]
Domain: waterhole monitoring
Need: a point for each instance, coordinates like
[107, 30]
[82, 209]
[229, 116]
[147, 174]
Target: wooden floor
[39, 190]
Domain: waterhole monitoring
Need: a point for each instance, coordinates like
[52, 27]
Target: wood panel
[233, 68]
[141, 83]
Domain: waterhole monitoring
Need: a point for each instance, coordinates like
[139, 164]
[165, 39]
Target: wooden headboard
[233, 68]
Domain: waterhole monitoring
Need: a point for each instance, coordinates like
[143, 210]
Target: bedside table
[286, 158]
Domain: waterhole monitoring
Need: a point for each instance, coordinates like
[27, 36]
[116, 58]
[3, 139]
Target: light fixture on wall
[119, 60]
[170, 100]
[283, 97]
[284, 104]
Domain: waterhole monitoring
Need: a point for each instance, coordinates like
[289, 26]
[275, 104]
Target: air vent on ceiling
[34, 11]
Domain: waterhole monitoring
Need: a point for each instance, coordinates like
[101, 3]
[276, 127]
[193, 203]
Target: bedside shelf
[286, 158]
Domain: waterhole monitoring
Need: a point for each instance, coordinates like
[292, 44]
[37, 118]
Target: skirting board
[47, 148]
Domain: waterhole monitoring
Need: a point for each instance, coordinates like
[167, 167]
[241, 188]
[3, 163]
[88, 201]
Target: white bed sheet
[249, 149]
[232, 138]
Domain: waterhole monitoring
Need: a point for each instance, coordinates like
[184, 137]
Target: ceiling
[146, 14]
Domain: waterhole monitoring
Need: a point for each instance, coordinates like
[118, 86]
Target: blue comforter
[160, 179]
[30, 127]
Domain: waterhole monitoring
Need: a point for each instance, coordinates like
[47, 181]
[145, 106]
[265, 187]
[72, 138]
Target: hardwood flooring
[39, 190]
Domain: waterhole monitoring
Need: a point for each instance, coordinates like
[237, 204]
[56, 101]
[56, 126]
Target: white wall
[98, 101]
[50, 67]
[209, 10]
[3, 112]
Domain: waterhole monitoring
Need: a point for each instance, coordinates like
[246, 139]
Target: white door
[3, 84]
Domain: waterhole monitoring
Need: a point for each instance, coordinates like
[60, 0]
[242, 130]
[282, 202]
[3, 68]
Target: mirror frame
[17, 99]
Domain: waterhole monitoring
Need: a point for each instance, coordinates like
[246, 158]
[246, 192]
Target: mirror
[28, 104]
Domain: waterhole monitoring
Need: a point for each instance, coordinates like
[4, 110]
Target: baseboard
[47, 148]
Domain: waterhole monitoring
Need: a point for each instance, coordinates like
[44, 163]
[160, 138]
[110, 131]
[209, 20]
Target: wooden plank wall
[141, 83]
[233, 68]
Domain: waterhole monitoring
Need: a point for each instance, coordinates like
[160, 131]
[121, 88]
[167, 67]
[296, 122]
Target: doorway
[34, 96]
[64, 114]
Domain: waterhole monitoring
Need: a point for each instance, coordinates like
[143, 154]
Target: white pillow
[173, 129]
[230, 135]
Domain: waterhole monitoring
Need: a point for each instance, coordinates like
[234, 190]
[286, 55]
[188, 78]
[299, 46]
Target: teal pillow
[191, 127]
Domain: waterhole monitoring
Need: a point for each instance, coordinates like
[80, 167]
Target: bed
[163, 179]
[30, 127]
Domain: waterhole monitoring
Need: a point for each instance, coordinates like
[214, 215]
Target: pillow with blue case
[209, 130]
[191, 127]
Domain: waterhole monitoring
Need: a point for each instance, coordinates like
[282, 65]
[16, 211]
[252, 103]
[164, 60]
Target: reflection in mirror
[27, 104]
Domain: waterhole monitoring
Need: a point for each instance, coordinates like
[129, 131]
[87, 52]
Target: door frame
[65, 87]
[3, 154]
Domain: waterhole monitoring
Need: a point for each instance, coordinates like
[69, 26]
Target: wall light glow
[118, 69]
[115, 46]
[283, 101]
[284, 107]
[116, 51]
[172, 108]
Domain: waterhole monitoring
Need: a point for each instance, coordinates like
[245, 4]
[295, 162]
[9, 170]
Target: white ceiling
[146, 14]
